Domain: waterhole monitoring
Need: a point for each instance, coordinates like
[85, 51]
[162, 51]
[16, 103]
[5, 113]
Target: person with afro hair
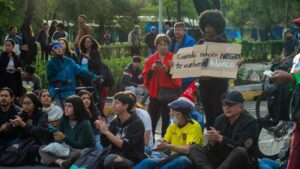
[212, 24]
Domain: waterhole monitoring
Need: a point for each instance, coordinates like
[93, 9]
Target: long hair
[69, 53]
[92, 108]
[35, 100]
[81, 44]
[78, 108]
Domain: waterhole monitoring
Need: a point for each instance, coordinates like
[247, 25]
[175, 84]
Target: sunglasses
[228, 104]
[57, 46]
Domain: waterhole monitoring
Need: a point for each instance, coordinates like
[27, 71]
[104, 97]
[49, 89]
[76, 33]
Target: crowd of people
[59, 126]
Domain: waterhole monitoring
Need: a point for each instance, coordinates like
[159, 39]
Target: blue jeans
[98, 142]
[180, 162]
[266, 163]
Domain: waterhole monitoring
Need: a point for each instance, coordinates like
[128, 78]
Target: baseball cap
[234, 97]
[181, 106]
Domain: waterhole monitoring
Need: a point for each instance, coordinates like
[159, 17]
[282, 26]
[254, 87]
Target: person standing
[170, 30]
[182, 40]
[43, 40]
[59, 33]
[13, 31]
[149, 40]
[10, 69]
[158, 80]
[83, 29]
[212, 23]
[134, 41]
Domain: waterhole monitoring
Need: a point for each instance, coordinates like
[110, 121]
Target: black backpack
[109, 80]
[18, 154]
[91, 158]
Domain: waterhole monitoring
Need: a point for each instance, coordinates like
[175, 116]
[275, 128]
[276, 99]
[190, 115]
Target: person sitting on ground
[31, 82]
[232, 141]
[182, 133]
[61, 73]
[74, 130]
[125, 134]
[32, 123]
[132, 77]
[146, 119]
[66, 49]
[93, 114]
[8, 111]
[54, 112]
[59, 33]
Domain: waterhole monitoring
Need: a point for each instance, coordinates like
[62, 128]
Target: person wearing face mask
[290, 45]
[180, 135]
[61, 73]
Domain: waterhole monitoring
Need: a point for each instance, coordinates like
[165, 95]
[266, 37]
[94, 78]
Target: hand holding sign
[207, 60]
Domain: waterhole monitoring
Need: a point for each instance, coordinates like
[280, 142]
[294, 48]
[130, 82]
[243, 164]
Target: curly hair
[214, 18]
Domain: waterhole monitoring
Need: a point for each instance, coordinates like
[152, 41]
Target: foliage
[260, 51]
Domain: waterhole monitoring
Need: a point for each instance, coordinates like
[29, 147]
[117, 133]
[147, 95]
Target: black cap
[234, 97]
[181, 106]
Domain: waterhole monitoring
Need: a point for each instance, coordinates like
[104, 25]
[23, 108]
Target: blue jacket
[62, 73]
[187, 41]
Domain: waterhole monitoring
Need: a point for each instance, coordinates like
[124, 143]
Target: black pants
[203, 158]
[157, 108]
[44, 53]
[211, 92]
[135, 51]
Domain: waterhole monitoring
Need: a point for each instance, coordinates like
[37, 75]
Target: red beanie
[190, 93]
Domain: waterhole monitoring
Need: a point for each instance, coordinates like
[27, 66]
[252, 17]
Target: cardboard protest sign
[209, 59]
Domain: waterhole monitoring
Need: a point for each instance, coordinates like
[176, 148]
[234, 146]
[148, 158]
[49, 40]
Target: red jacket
[160, 78]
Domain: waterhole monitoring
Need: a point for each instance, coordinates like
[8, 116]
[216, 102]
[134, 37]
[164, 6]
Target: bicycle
[272, 131]
[95, 89]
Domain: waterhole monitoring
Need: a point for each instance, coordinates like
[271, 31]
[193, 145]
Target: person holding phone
[157, 77]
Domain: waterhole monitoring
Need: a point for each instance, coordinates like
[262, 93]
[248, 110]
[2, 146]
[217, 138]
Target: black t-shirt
[132, 134]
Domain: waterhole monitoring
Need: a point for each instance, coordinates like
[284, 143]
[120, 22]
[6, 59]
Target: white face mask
[175, 120]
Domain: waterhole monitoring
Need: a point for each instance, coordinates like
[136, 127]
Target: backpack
[91, 158]
[109, 80]
[17, 154]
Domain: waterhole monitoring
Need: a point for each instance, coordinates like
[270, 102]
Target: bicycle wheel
[271, 141]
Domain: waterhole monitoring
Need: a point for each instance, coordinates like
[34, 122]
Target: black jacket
[132, 77]
[4, 118]
[244, 133]
[149, 40]
[132, 134]
[11, 80]
[38, 130]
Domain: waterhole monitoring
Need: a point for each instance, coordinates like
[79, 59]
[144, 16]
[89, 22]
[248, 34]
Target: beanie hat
[190, 93]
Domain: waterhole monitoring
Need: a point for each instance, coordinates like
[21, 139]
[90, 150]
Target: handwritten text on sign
[209, 59]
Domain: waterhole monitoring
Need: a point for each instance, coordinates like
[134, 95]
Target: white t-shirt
[145, 117]
[11, 64]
